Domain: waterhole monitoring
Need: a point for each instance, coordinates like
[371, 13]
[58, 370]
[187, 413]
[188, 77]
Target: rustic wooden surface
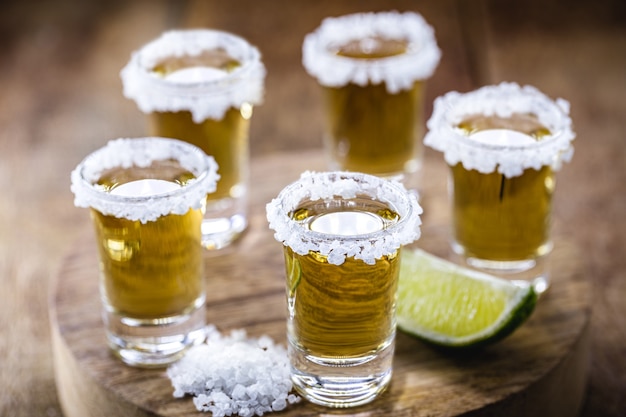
[60, 98]
[540, 370]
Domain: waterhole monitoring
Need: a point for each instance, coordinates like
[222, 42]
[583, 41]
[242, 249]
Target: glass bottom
[224, 221]
[341, 383]
[154, 343]
[533, 271]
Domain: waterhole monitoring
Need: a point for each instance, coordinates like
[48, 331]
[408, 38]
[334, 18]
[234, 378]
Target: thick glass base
[156, 342]
[219, 233]
[338, 382]
[533, 271]
[223, 223]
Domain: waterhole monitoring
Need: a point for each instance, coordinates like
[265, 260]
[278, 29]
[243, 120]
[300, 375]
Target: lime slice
[449, 305]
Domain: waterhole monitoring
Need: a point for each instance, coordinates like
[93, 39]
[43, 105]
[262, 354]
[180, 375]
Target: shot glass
[342, 235]
[373, 69]
[200, 86]
[146, 198]
[503, 144]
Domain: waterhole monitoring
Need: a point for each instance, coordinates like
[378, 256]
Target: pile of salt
[234, 375]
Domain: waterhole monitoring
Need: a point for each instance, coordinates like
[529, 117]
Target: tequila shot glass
[342, 234]
[503, 144]
[200, 86]
[373, 69]
[146, 198]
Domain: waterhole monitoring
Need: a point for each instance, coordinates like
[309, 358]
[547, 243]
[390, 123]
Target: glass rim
[207, 98]
[314, 186]
[398, 72]
[502, 100]
[128, 152]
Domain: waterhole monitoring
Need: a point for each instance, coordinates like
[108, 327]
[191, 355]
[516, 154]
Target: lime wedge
[449, 305]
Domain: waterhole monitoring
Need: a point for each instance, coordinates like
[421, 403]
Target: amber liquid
[498, 218]
[226, 139]
[341, 311]
[153, 270]
[368, 129]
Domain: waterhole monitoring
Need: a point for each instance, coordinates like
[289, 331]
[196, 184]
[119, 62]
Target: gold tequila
[370, 129]
[150, 270]
[342, 311]
[499, 218]
[372, 68]
[504, 144]
[342, 233]
[146, 198]
[225, 139]
[200, 86]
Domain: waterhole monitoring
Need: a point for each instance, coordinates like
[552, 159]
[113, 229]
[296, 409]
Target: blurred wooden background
[60, 98]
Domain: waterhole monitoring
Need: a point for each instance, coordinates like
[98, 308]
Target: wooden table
[539, 370]
[60, 98]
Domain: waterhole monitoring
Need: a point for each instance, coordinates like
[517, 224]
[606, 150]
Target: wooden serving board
[540, 370]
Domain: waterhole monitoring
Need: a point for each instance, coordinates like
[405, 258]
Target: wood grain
[540, 370]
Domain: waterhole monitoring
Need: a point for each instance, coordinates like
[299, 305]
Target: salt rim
[501, 100]
[141, 152]
[323, 185]
[234, 375]
[207, 99]
[397, 72]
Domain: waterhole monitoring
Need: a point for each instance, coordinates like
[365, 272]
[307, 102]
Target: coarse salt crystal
[204, 95]
[234, 375]
[501, 100]
[141, 152]
[398, 72]
[315, 186]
